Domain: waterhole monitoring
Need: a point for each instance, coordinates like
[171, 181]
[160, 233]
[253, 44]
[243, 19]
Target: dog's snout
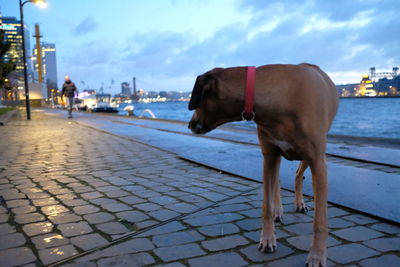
[195, 126]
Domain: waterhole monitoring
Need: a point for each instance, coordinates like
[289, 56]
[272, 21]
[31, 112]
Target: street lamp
[40, 3]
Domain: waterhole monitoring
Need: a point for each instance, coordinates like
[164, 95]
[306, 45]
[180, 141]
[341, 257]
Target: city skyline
[166, 44]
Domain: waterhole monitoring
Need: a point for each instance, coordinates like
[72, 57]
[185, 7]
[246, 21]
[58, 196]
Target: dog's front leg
[271, 192]
[317, 254]
[270, 186]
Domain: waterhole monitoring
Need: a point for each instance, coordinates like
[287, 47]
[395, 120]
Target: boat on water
[97, 103]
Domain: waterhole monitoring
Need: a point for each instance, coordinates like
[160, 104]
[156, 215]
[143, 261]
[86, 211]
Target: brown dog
[294, 107]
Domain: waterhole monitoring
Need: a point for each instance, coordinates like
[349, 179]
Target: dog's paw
[300, 206]
[267, 243]
[316, 258]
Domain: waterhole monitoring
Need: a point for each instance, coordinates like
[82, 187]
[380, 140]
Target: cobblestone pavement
[75, 196]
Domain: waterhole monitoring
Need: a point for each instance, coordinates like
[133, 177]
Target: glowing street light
[42, 4]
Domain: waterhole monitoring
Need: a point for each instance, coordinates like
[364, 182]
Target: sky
[165, 44]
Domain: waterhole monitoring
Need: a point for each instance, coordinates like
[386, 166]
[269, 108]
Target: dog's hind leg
[271, 189]
[317, 254]
[298, 200]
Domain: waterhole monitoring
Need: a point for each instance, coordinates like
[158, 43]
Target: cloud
[85, 26]
[344, 39]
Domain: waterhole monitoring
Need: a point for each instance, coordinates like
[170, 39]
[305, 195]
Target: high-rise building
[125, 89]
[13, 35]
[49, 65]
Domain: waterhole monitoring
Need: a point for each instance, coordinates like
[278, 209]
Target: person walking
[69, 90]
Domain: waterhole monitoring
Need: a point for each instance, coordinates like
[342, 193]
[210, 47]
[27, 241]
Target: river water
[368, 117]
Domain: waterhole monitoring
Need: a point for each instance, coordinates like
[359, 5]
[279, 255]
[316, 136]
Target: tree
[6, 66]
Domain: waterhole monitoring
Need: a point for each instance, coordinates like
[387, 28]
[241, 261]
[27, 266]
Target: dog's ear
[197, 93]
[203, 84]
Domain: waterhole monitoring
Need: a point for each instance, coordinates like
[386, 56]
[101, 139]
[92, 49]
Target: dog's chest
[287, 150]
[283, 145]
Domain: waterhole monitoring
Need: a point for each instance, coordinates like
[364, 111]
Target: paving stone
[54, 209]
[338, 223]
[131, 246]
[75, 202]
[384, 244]
[51, 255]
[358, 233]
[38, 228]
[387, 228]
[5, 229]
[145, 224]
[100, 217]
[17, 203]
[132, 216]
[22, 210]
[29, 218]
[116, 207]
[250, 224]
[255, 255]
[12, 195]
[87, 242]
[86, 209]
[45, 202]
[335, 212]
[132, 200]
[223, 243]
[83, 189]
[11, 240]
[112, 228]
[148, 206]
[163, 200]
[66, 217]
[385, 260]
[213, 196]
[292, 261]
[360, 219]
[219, 229]
[103, 201]
[213, 219]
[16, 256]
[49, 240]
[172, 264]
[227, 259]
[74, 229]
[348, 253]
[234, 207]
[179, 252]
[304, 242]
[300, 228]
[4, 217]
[163, 214]
[182, 207]
[91, 195]
[177, 238]
[134, 260]
[117, 193]
[107, 188]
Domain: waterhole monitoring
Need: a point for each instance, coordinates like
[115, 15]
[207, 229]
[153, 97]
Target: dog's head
[215, 99]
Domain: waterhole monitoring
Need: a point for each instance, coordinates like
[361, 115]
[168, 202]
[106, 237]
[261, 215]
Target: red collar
[248, 112]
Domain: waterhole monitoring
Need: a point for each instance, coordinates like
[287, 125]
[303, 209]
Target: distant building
[49, 65]
[125, 89]
[13, 35]
[379, 84]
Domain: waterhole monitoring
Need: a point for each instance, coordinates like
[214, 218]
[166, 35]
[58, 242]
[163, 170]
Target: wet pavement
[75, 195]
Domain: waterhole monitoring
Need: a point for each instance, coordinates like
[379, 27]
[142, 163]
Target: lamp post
[40, 3]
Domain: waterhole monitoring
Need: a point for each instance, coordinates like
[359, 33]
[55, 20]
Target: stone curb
[7, 116]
